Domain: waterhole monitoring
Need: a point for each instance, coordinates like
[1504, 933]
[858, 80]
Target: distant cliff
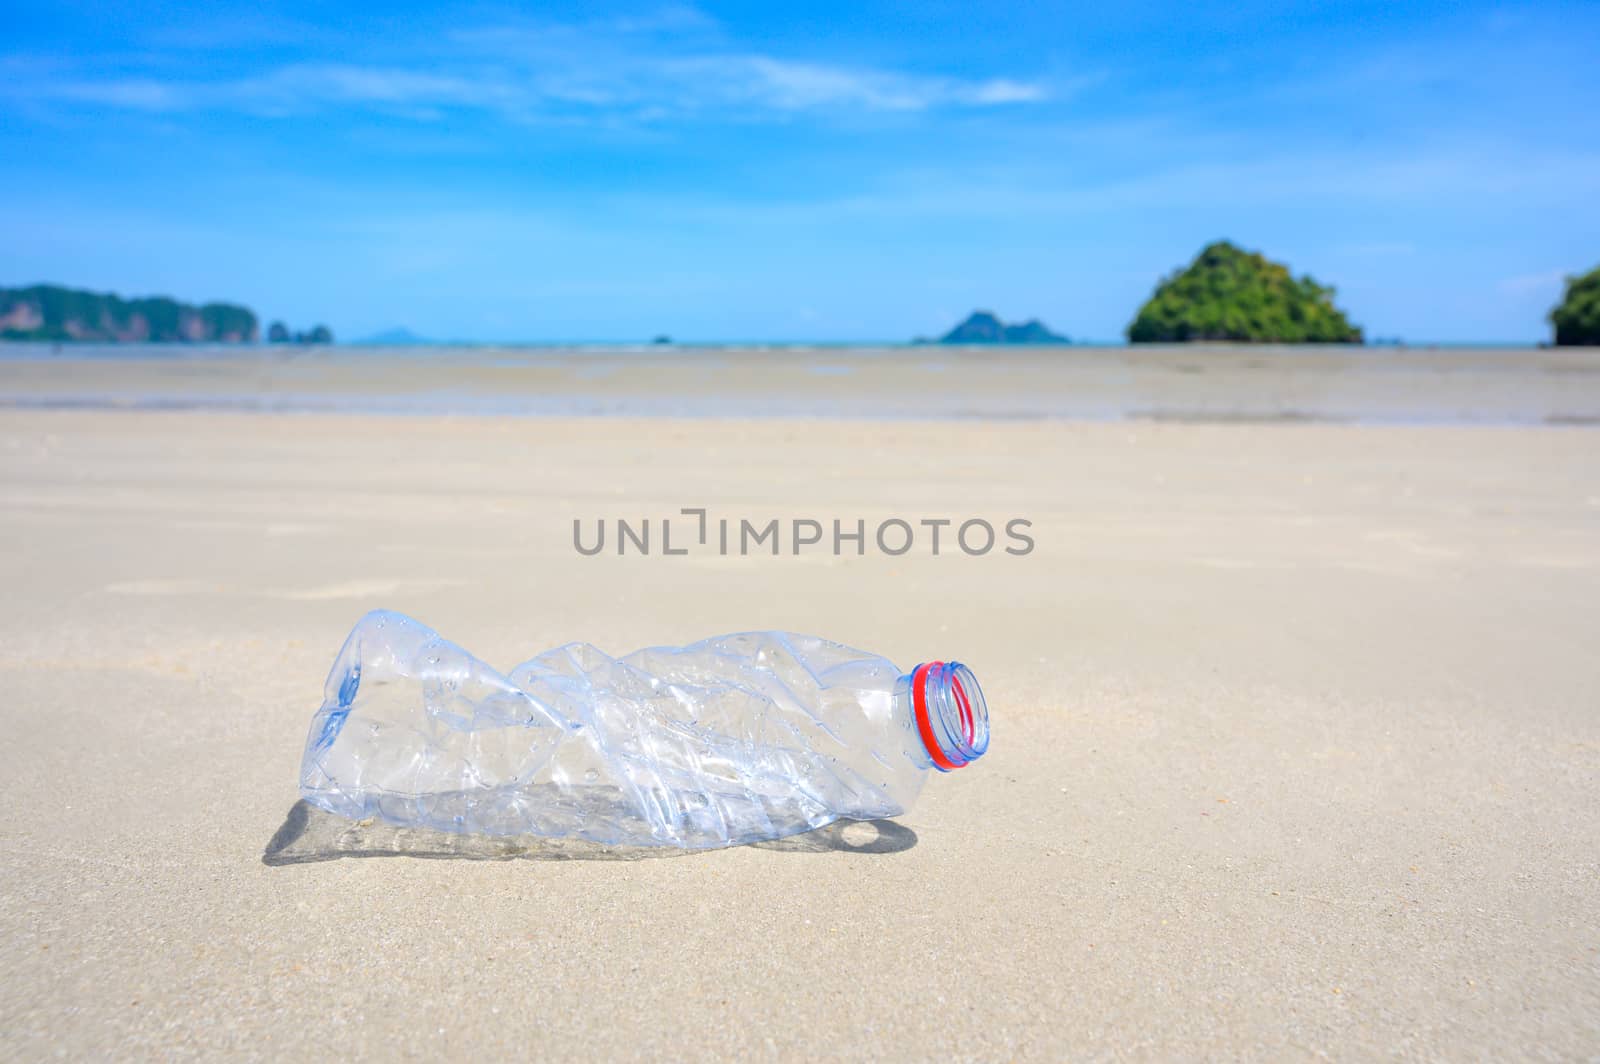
[983, 327]
[50, 312]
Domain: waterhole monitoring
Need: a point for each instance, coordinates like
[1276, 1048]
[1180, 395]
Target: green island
[984, 327]
[52, 312]
[1577, 317]
[1229, 294]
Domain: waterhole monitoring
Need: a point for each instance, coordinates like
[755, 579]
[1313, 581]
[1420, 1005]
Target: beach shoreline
[1221, 383]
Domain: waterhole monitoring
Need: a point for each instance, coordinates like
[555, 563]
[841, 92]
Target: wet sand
[1296, 744]
[1225, 383]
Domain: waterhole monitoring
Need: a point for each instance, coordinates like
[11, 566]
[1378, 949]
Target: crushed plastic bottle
[730, 740]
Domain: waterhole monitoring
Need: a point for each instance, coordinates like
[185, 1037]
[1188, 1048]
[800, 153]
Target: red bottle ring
[919, 702]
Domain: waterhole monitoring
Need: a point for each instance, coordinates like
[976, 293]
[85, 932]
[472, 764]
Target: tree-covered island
[1229, 294]
[52, 312]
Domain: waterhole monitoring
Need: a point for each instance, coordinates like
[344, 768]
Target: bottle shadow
[309, 834]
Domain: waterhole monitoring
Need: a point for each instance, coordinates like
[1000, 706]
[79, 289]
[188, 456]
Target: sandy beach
[1195, 382]
[1296, 746]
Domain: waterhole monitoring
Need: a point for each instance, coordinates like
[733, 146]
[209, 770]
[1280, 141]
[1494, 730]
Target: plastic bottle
[729, 740]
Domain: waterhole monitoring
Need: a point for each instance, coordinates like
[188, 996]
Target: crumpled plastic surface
[730, 740]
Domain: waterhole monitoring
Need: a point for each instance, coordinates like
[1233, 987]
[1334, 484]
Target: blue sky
[858, 171]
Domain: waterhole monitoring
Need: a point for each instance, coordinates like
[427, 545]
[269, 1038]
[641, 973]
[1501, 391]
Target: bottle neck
[951, 715]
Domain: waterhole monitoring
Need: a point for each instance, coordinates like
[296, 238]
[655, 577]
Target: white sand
[1296, 742]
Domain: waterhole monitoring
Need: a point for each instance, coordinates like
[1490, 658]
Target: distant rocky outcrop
[51, 312]
[1231, 294]
[983, 327]
[1577, 318]
[278, 333]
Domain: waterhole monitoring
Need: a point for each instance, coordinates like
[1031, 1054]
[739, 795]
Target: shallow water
[1226, 383]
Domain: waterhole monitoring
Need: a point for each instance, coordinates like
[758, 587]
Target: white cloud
[285, 90]
[788, 85]
[804, 85]
[798, 86]
[1548, 283]
[643, 69]
[309, 84]
[133, 94]
[674, 17]
[1004, 90]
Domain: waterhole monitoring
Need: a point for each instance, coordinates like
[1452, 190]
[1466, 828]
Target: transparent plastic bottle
[729, 740]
